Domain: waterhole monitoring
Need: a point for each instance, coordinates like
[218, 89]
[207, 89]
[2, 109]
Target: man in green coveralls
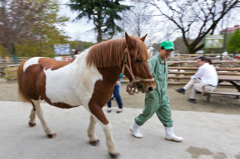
[157, 101]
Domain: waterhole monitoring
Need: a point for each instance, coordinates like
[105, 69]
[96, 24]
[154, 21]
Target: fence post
[204, 46]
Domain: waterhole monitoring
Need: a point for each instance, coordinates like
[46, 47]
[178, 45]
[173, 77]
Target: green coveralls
[157, 101]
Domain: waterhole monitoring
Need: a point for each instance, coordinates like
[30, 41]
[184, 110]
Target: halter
[132, 87]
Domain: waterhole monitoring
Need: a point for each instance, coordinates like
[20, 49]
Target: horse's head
[135, 65]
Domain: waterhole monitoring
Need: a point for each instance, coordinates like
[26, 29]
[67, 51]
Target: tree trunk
[99, 37]
[13, 52]
[10, 49]
[7, 53]
[191, 50]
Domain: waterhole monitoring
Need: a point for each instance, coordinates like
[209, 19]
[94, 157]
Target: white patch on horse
[72, 84]
[30, 62]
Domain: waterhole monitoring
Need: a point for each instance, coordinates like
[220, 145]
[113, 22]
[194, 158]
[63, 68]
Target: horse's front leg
[112, 148]
[107, 129]
[93, 139]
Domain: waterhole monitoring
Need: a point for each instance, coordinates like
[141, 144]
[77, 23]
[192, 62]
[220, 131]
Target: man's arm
[198, 74]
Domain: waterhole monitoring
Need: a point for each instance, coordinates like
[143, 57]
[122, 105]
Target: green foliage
[234, 42]
[81, 45]
[46, 33]
[104, 13]
[2, 51]
[40, 32]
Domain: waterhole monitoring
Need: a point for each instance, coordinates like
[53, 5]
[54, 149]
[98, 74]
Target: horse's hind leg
[32, 117]
[47, 129]
[93, 139]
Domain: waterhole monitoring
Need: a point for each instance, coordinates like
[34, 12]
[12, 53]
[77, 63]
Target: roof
[231, 28]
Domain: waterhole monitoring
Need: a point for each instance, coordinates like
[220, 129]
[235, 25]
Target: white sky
[80, 30]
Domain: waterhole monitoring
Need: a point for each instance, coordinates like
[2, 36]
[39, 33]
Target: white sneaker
[135, 130]
[170, 136]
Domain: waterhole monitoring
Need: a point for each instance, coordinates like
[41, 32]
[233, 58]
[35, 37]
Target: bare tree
[195, 18]
[17, 17]
[138, 19]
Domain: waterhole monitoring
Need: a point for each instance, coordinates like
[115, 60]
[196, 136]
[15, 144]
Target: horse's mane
[110, 53]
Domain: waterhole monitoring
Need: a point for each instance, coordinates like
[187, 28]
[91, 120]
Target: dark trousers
[116, 93]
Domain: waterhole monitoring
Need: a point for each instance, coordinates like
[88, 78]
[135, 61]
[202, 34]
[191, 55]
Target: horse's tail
[21, 93]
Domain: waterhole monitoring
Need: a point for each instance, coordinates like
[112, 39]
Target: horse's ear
[131, 43]
[143, 38]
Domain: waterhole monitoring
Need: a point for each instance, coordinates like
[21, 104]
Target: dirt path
[218, 104]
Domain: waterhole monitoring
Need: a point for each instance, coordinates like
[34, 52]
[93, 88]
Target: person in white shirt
[204, 80]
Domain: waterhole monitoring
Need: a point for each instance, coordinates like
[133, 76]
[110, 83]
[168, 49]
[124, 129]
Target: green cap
[167, 45]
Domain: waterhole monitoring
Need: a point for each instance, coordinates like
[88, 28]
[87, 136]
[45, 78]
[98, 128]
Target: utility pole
[123, 34]
[224, 41]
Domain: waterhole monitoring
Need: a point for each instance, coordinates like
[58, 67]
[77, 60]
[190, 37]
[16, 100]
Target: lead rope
[131, 87]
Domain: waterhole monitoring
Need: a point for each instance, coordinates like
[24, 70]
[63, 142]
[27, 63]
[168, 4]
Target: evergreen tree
[234, 42]
[103, 13]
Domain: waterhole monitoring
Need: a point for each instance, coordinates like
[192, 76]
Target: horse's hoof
[95, 143]
[115, 156]
[32, 124]
[51, 136]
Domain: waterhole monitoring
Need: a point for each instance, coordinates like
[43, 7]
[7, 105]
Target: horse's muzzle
[136, 86]
[150, 89]
[141, 88]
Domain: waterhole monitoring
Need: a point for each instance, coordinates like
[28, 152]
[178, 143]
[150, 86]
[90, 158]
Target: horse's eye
[138, 61]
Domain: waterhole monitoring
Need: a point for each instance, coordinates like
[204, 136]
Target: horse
[86, 80]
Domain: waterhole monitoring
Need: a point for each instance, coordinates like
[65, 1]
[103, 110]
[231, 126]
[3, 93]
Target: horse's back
[57, 82]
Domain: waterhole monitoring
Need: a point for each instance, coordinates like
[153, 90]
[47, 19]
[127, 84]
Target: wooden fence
[179, 71]
[10, 72]
[181, 75]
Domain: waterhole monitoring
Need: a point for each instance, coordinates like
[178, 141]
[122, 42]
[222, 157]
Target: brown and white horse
[86, 80]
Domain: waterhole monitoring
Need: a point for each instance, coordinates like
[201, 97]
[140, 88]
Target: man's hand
[117, 83]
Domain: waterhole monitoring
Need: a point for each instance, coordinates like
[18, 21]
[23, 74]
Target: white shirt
[208, 74]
